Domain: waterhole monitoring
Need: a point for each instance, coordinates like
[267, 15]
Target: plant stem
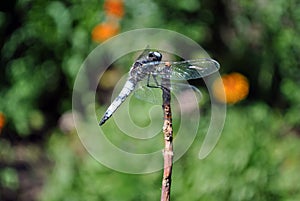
[168, 139]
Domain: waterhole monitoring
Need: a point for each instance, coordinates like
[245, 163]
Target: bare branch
[168, 139]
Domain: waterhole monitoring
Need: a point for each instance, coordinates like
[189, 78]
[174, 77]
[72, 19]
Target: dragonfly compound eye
[154, 56]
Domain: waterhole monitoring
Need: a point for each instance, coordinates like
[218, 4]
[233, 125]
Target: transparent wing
[193, 69]
[150, 95]
[185, 70]
[154, 95]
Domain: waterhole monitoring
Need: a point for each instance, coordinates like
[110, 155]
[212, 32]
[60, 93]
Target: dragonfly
[149, 64]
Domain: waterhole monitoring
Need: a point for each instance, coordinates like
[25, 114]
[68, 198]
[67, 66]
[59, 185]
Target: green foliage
[265, 38]
[78, 176]
[9, 178]
[251, 162]
[41, 56]
[43, 44]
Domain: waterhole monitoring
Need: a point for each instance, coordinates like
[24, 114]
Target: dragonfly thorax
[142, 67]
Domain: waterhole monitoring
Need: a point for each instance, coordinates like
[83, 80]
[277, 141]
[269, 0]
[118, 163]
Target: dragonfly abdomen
[127, 89]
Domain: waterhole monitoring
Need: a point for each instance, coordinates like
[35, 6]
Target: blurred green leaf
[9, 178]
[43, 44]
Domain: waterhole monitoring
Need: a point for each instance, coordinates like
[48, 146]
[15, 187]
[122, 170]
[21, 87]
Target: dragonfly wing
[186, 70]
[193, 69]
[179, 91]
[148, 94]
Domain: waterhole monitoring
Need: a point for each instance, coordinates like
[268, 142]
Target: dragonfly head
[154, 56]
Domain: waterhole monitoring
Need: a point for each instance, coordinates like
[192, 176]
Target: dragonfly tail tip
[103, 120]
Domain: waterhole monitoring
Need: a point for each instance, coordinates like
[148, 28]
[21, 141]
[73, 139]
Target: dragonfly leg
[154, 78]
[158, 85]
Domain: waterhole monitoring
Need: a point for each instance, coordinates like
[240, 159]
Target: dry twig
[168, 139]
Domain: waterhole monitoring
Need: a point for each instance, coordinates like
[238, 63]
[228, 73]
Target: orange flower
[114, 7]
[104, 31]
[236, 88]
[2, 120]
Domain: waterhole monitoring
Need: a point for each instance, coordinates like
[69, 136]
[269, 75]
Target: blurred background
[43, 44]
